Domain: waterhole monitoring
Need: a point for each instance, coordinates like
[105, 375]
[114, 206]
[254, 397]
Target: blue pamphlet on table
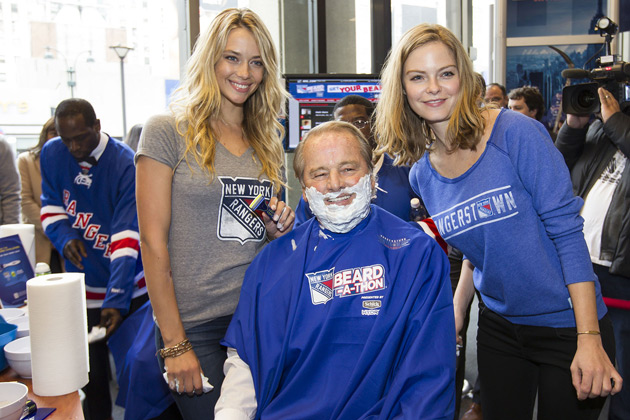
[15, 270]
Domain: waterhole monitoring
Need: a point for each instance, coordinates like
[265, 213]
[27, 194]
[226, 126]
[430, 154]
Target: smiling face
[431, 83]
[80, 139]
[333, 161]
[240, 68]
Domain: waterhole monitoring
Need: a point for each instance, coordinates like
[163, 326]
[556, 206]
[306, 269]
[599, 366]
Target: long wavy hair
[43, 137]
[399, 130]
[198, 100]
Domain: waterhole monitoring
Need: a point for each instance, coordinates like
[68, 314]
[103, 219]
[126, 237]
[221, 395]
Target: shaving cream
[341, 219]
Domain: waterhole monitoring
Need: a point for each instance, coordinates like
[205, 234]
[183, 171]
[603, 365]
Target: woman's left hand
[282, 221]
[592, 372]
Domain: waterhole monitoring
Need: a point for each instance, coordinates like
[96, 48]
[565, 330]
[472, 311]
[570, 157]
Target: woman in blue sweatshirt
[498, 190]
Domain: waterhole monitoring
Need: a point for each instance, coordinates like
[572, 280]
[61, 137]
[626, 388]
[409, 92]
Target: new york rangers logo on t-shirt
[236, 220]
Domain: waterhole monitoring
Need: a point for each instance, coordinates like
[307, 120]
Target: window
[61, 49]
[408, 13]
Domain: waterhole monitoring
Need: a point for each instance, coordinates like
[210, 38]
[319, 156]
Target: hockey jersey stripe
[131, 234]
[52, 214]
[51, 209]
[125, 243]
[52, 219]
[124, 252]
[93, 289]
[95, 296]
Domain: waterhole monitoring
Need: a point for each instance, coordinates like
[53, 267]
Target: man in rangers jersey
[349, 316]
[89, 212]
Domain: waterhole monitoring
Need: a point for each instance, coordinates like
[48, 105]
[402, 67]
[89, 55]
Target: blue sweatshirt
[349, 326]
[513, 214]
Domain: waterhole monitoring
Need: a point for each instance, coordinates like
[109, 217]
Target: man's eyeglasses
[360, 124]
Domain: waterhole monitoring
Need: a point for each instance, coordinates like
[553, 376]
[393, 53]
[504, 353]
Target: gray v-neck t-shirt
[213, 236]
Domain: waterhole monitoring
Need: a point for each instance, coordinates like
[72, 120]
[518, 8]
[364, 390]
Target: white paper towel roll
[58, 325]
[27, 236]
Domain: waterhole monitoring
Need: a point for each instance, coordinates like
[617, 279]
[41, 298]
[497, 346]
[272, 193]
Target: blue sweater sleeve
[55, 221]
[125, 243]
[545, 176]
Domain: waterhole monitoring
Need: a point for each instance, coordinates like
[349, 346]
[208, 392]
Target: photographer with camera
[597, 156]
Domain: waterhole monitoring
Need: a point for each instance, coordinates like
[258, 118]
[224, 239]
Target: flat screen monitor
[313, 97]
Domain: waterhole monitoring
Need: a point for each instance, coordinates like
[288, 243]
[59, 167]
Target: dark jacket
[587, 152]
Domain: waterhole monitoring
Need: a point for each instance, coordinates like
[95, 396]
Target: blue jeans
[205, 339]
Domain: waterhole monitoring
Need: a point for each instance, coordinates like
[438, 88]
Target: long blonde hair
[198, 100]
[399, 130]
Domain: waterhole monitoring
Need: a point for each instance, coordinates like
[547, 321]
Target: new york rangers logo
[320, 284]
[236, 220]
[83, 179]
[484, 208]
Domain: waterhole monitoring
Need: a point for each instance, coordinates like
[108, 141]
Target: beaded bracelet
[589, 332]
[177, 350]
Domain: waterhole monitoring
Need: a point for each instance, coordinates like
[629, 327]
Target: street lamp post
[122, 53]
[48, 55]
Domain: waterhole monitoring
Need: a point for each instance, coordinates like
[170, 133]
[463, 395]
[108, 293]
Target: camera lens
[580, 99]
[586, 98]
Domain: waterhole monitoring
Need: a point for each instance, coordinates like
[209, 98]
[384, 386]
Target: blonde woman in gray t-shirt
[198, 169]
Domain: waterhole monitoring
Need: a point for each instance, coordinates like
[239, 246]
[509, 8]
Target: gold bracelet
[177, 350]
[589, 332]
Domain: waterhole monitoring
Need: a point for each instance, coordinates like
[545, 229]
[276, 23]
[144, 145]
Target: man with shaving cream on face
[348, 316]
[393, 192]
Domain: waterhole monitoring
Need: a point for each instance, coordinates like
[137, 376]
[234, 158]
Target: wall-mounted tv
[313, 97]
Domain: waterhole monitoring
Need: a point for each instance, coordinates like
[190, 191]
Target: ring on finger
[177, 386]
[280, 225]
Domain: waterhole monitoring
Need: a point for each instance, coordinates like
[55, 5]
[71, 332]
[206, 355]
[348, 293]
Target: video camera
[611, 74]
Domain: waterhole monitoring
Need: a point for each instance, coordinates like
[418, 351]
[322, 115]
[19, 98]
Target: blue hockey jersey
[349, 326]
[98, 206]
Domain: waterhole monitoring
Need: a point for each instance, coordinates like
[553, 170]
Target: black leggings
[518, 361]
